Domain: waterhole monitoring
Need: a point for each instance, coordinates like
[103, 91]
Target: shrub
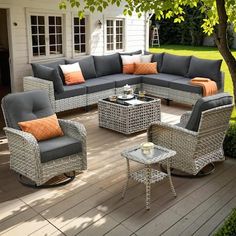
[230, 141]
[229, 226]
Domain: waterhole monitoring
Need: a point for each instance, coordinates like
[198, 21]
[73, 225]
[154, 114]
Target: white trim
[114, 19]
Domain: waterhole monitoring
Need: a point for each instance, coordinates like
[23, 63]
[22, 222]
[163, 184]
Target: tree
[218, 13]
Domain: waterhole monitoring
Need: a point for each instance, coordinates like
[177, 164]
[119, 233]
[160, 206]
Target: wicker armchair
[198, 139]
[26, 152]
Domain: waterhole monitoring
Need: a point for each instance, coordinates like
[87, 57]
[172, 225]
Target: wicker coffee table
[128, 116]
[148, 175]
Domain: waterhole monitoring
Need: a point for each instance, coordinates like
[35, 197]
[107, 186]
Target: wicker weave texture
[128, 119]
[92, 98]
[194, 149]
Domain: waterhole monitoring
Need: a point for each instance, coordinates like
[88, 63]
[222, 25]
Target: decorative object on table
[113, 98]
[198, 139]
[36, 162]
[128, 116]
[148, 175]
[147, 148]
[128, 90]
[141, 93]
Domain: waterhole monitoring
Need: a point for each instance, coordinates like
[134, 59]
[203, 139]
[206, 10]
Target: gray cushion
[206, 68]
[131, 53]
[97, 85]
[123, 79]
[26, 106]
[87, 66]
[204, 104]
[183, 84]
[71, 91]
[56, 65]
[47, 73]
[58, 147]
[173, 64]
[160, 79]
[156, 57]
[107, 65]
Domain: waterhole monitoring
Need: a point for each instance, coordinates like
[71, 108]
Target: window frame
[75, 54]
[46, 15]
[114, 20]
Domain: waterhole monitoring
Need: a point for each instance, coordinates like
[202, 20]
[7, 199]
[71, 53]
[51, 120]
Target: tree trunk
[222, 43]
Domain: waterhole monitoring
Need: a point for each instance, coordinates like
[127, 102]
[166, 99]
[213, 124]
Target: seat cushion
[87, 66]
[183, 84]
[204, 104]
[160, 79]
[176, 65]
[59, 147]
[206, 68]
[108, 64]
[123, 79]
[71, 91]
[98, 84]
[26, 106]
[50, 74]
[156, 57]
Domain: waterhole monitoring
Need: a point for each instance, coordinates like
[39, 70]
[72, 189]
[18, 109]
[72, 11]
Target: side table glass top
[159, 154]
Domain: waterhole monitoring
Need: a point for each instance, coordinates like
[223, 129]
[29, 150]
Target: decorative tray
[127, 97]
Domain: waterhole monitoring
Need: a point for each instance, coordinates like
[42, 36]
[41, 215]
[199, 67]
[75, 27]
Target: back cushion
[173, 64]
[26, 106]
[205, 68]
[204, 104]
[47, 73]
[107, 65]
[131, 53]
[87, 66]
[156, 57]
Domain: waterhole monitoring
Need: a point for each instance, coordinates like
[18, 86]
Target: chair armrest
[185, 118]
[32, 83]
[167, 134]
[23, 146]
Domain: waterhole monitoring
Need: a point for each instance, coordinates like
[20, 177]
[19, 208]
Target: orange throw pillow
[145, 68]
[72, 74]
[43, 128]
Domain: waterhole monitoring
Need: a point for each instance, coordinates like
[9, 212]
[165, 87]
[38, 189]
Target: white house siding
[20, 60]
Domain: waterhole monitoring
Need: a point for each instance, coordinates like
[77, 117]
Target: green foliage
[229, 227]
[187, 32]
[230, 141]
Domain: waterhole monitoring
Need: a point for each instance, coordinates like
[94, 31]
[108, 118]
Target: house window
[79, 35]
[114, 34]
[46, 35]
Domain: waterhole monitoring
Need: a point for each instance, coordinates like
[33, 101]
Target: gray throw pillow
[108, 64]
[205, 68]
[87, 66]
[173, 64]
[156, 57]
[204, 104]
[44, 72]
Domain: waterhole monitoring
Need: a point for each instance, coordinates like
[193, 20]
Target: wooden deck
[92, 204]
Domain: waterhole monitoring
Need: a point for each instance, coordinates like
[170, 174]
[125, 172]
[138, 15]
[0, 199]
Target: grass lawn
[205, 53]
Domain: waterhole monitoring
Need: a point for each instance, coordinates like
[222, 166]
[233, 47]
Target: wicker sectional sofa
[103, 77]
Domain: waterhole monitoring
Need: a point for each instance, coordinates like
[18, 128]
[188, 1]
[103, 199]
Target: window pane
[83, 38]
[82, 29]
[51, 20]
[33, 20]
[59, 30]
[77, 48]
[58, 20]
[34, 40]
[59, 49]
[41, 20]
[51, 29]
[77, 39]
[76, 20]
[52, 49]
[76, 29]
[83, 48]
[34, 29]
[35, 51]
[42, 51]
[52, 39]
[41, 29]
[59, 39]
[82, 21]
[41, 40]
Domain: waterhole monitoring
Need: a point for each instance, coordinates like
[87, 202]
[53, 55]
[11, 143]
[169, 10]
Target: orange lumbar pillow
[72, 74]
[43, 128]
[145, 68]
[128, 63]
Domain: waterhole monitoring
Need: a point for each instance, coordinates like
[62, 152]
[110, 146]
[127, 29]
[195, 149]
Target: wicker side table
[148, 175]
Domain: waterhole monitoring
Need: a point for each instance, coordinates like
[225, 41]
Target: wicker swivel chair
[40, 161]
[198, 139]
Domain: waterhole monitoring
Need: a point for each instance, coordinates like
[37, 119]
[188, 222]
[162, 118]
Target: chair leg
[28, 183]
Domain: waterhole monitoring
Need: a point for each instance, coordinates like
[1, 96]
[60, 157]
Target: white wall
[134, 33]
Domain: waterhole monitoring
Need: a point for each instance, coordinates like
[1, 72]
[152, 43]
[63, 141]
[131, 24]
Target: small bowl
[113, 98]
[147, 148]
